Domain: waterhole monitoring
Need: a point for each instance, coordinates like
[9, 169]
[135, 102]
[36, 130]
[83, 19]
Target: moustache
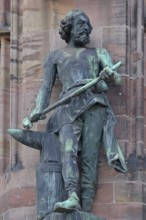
[82, 33]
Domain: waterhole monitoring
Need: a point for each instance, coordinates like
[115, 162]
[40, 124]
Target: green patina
[73, 64]
[93, 64]
[68, 145]
[70, 172]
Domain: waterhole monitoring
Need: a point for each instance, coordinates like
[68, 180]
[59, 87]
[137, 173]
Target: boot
[87, 204]
[69, 205]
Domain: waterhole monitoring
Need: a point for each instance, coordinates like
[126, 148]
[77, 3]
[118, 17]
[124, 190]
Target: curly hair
[67, 23]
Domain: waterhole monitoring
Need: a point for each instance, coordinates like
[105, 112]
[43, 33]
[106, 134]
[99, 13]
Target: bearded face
[80, 31]
[81, 38]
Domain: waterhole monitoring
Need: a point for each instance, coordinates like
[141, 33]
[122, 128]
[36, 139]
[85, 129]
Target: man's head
[76, 26]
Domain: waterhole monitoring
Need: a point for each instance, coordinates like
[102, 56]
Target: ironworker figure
[87, 120]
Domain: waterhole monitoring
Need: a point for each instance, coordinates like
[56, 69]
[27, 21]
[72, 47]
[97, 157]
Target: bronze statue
[83, 121]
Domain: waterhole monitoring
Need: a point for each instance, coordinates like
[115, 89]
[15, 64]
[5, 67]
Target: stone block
[114, 35]
[7, 5]
[131, 95]
[55, 41]
[139, 96]
[104, 193]
[120, 211]
[131, 18]
[3, 203]
[145, 135]
[35, 17]
[4, 161]
[33, 44]
[123, 146]
[114, 40]
[132, 130]
[99, 11]
[145, 105]
[73, 216]
[128, 192]
[2, 185]
[142, 176]
[44, 15]
[118, 13]
[36, 46]
[131, 151]
[22, 213]
[95, 38]
[118, 97]
[57, 10]
[21, 178]
[106, 174]
[122, 128]
[144, 194]
[132, 176]
[4, 110]
[20, 197]
[139, 129]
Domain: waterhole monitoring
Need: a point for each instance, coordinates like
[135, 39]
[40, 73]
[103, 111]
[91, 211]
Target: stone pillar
[144, 72]
[15, 31]
[4, 13]
[4, 102]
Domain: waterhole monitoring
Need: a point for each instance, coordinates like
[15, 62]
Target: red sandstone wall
[145, 88]
[145, 72]
[34, 32]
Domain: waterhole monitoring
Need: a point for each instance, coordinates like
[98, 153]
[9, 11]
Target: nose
[86, 27]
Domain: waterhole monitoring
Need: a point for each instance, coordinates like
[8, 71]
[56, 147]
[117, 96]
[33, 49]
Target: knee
[69, 148]
[68, 145]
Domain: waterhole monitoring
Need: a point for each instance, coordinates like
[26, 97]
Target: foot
[69, 205]
[87, 204]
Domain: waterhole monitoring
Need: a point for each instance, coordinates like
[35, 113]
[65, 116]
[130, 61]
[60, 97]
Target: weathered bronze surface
[73, 216]
[81, 122]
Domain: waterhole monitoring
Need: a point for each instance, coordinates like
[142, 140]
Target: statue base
[77, 215]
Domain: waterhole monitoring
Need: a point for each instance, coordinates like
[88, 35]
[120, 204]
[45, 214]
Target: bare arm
[106, 61]
[44, 94]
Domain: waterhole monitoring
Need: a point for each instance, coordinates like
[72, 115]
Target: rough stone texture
[73, 216]
[4, 12]
[22, 213]
[118, 26]
[4, 103]
[123, 211]
[145, 75]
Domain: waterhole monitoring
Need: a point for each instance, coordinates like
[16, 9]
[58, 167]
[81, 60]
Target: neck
[72, 44]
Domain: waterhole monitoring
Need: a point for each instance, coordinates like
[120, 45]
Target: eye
[81, 23]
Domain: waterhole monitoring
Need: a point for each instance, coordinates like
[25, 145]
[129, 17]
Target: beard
[80, 38]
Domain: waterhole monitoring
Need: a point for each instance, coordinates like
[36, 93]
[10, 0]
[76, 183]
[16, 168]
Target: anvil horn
[29, 138]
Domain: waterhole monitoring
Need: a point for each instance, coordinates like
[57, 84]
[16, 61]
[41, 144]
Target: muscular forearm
[42, 102]
[106, 61]
[117, 79]
[43, 97]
